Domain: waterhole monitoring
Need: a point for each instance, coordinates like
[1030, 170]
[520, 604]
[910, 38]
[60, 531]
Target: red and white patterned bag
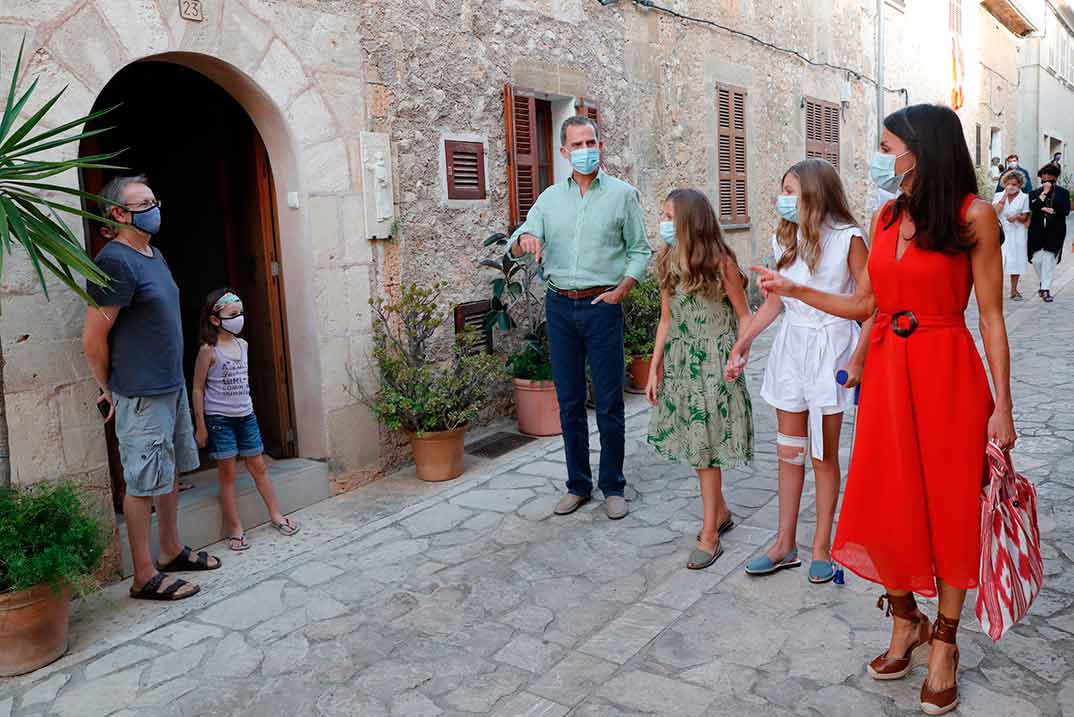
[1012, 569]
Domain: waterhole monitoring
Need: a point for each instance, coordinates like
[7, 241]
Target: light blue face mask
[667, 232]
[585, 161]
[882, 171]
[787, 206]
[148, 220]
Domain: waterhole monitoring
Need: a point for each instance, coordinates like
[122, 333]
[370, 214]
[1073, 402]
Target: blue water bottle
[841, 377]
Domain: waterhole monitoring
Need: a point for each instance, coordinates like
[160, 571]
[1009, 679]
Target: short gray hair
[577, 121]
[112, 194]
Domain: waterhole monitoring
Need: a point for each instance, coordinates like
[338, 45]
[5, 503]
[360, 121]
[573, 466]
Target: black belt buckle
[900, 329]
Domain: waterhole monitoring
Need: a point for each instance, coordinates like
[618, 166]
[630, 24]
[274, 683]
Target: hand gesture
[1048, 210]
[736, 362]
[531, 245]
[653, 387]
[105, 400]
[854, 370]
[1001, 429]
[613, 296]
[773, 281]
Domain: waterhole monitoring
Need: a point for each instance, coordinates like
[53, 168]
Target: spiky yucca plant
[29, 219]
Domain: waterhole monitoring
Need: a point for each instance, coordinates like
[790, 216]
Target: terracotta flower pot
[33, 628]
[639, 372]
[538, 407]
[438, 455]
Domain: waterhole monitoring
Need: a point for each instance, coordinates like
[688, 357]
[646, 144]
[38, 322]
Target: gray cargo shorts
[156, 441]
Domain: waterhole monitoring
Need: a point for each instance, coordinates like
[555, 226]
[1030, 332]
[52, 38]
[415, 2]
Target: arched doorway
[208, 165]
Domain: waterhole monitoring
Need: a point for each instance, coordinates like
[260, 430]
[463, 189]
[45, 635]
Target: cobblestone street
[404, 598]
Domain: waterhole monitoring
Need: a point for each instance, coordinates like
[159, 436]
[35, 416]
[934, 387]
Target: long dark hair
[210, 331]
[942, 178]
[694, 263]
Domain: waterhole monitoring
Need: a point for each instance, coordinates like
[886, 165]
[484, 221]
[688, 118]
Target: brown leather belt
[582, 293]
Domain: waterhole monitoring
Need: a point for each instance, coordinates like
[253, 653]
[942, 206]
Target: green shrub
[47, 536]
[641, 310]
[517, 310]
[418, 393]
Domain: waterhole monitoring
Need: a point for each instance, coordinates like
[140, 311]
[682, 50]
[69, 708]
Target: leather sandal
[889, 667]
[938, 702]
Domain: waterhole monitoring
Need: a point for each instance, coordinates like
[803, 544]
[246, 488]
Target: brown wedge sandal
[939, 702]
[889, 667]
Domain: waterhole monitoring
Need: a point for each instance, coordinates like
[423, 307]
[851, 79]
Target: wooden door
[260, 284]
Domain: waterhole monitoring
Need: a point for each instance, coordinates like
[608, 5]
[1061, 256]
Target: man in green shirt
[589, 234]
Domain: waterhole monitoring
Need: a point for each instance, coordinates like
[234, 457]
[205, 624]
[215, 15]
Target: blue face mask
[667, 232]
[882, 171]
[787, 206]
[148, 220]
[585, 161]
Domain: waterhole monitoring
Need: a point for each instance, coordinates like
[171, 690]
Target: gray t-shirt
[146, 344]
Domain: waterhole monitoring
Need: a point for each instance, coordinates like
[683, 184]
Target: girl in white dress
[818, 244]
[1012, 208]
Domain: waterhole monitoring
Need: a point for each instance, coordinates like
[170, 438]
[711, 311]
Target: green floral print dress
[699, 417]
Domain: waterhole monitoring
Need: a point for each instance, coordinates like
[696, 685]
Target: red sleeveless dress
[912, 509]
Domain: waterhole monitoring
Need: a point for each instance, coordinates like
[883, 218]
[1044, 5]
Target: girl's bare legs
[228, 501]
[942, 661]
[791, 481]
[713, 505]
[1014, 284]
[259, 471]
[827, 476]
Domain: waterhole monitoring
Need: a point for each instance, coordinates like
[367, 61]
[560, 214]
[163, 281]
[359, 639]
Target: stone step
[299, 483]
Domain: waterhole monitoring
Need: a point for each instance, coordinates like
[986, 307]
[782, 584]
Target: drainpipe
[879, 69]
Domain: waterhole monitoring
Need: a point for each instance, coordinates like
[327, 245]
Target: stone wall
[444, 65]
[297, 67]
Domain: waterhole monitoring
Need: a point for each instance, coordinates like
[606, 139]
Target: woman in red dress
[911, 513]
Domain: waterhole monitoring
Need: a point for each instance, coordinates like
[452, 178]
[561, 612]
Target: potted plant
[50, 546]
[517, 310]
[433, 401]
[641, 310]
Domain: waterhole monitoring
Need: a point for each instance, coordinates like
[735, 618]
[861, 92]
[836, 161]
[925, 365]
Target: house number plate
[191, 10]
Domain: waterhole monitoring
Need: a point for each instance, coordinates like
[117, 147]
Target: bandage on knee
[791, 449]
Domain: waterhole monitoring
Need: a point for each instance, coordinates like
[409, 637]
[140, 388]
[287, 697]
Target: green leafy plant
[418, 393]
[28, 218]
[48, 537]
[518, 310]
[641, 311]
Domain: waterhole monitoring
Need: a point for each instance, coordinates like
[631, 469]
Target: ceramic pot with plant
[51, 545]
[641, 312]
[517, 311]
[430, 397]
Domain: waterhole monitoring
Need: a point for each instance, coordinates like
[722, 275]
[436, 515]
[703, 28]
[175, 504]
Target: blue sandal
[763, 565]
[821, 571]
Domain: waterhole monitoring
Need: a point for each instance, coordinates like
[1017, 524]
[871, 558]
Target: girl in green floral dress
[698, 417]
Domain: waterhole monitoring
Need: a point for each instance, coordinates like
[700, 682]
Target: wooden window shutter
[465, 169]
[522, 183]
[471, 317]
[732, 160]
[587, 108]
[823, 129]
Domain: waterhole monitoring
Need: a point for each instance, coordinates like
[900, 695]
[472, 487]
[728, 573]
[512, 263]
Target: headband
[224, 300]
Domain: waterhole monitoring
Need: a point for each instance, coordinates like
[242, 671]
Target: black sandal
[151, 590]
[182, 563]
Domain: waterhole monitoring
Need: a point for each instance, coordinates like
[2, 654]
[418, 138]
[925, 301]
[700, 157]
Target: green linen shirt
[589, 241]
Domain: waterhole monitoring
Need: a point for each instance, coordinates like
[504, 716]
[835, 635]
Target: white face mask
[233, 325]
[1012, 190]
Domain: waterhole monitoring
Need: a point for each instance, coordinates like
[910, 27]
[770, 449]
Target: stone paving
[405, 598]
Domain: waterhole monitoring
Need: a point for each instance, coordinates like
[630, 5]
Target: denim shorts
[230, 437]
[156, 441]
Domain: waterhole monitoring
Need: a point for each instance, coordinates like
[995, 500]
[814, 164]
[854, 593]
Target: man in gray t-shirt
[133, 342]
